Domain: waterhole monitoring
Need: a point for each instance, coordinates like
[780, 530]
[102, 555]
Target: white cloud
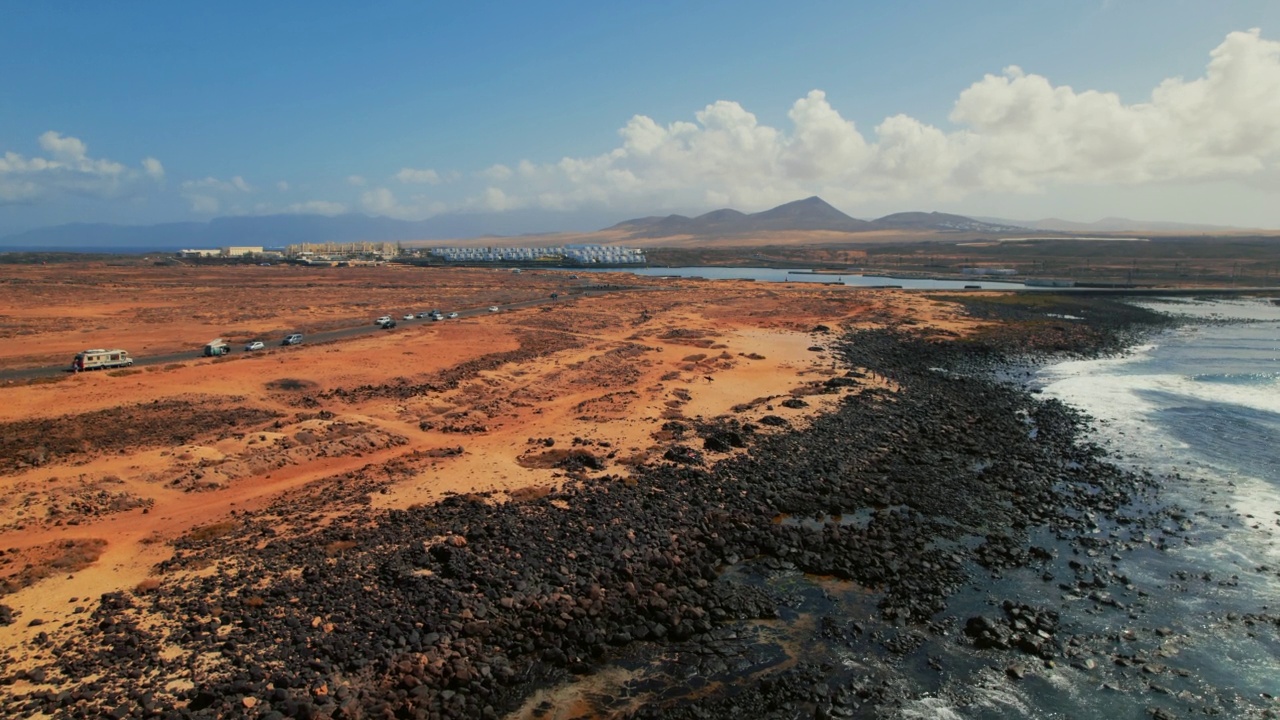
[307, 207]
[68, 169]
[496, 200]
[153, 168]
[378, 201]
[1015, 132]
[316, 207]
[282, 186]
[410, 176]
[204, 204]
[235, 184]
[497, 173]
[206, 194]
[64, 147]
[357, 180]
[381, 201]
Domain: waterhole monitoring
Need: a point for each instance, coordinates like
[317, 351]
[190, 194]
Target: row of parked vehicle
[386, 321]
[220, 347]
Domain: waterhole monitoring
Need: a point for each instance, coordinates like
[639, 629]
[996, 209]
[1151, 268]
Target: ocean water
[1199, 408]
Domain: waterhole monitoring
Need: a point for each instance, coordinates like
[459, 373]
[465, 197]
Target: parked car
[493, 308]
[555, 295]
[423, 315]
[293, 339]
[382, 320]
[388, 324]
[255, 345]
[452, 315]
[408, 317]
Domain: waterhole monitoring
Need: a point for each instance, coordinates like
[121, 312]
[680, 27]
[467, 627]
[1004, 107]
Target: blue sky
[151, 112]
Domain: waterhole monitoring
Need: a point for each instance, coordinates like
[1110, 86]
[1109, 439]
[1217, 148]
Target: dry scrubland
[104, 475]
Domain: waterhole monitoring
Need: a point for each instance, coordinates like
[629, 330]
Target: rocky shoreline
[905, 500]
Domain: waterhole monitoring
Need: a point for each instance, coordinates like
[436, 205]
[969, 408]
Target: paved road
[312, 338]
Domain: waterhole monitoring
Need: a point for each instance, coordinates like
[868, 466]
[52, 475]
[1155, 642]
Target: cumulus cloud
[497, 173]
[206, 194]
[410, 176]
[308, 207]
[67, 168]
[235, 184]
[381, 201]
[1013, 132]
[153, 168]
[203, 204]
[316, 207]
[378, 201]
[356, 181]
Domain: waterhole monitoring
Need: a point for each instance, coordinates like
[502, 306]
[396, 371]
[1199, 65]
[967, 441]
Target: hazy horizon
[588, 113]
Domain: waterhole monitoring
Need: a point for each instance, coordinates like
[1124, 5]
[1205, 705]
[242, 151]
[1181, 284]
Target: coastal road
[320, 337]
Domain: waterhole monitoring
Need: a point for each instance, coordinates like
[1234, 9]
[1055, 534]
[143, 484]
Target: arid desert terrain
[103, 472]
[644, 497]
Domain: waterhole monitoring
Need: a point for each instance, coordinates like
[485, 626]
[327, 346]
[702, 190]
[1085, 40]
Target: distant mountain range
[812, 213]
[1112, 225]
[281, 230]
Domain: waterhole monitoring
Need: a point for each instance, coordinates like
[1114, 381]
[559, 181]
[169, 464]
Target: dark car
[388, 324]
[292, 339]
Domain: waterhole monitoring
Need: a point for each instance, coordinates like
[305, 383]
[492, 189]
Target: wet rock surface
[465, 608]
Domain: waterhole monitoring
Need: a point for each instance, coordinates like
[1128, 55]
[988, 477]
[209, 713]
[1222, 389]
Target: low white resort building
[571, 254]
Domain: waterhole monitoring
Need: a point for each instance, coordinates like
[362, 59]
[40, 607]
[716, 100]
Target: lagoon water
[763, 274]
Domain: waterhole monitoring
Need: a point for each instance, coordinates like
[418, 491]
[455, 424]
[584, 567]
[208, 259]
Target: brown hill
[812, 214]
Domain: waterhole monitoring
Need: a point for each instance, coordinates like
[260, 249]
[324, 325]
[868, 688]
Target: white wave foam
[1241, 309]
[930, 708]
[1128, 402]
[1107, 389]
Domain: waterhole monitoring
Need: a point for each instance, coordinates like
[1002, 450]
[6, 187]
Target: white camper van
[217, 348]
[99, 359]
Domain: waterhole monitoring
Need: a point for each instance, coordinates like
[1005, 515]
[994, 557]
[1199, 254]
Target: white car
[382, 320]
[452, 315]
[255, 345]
[409, 316]
[493, 308]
